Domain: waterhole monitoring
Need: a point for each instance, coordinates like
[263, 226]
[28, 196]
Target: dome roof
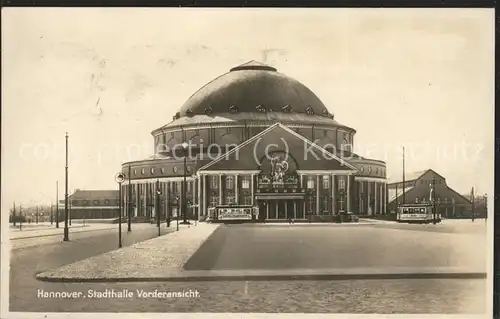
[253, 87]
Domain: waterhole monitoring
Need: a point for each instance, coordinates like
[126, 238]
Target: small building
[417, 189]
[91, 204]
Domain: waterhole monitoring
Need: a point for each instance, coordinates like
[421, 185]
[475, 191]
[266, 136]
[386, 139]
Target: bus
[417, 213]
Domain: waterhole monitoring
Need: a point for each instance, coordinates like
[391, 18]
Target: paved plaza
[213, 250]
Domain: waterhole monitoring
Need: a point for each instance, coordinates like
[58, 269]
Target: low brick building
[91, 204]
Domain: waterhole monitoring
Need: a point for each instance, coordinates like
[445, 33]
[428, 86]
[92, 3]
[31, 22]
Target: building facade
[417, 189]
[254, 139]
[91, 204]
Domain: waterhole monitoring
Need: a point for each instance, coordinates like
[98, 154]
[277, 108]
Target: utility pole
[51, 214]
[37, 214]
[66, 230]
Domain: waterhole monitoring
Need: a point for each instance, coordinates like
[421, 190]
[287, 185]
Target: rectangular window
[326, 182]
[214, 201]
[245, 184]
[247, 200]
[310, 182]
[341, 182]
[229, 182]
[326, 203]
[310, 205]
[230, 200]
[214, 182]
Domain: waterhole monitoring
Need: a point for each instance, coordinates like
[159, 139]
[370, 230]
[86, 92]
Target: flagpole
[404, 186]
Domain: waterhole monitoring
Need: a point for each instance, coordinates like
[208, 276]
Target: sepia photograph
[233, 162]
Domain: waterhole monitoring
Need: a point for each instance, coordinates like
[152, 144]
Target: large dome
[253, 87]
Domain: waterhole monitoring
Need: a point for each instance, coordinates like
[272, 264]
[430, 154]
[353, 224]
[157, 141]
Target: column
[199, 197]
[348, 193]
[252, 188]
[304, 187]
[360, 191]
[236, 190]
[220, 189]
[136, 208]
[368, 207]
[375, 211]
[146, 191]
[294, 209]
[317, 195]
[385, 197]
[205, 195]
[167, 199]
[333, 186]
[267, 210]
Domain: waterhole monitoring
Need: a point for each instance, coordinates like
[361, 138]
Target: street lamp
[157, 208]
[66, 229]
[184, 185]
[177, 215]
[119, 179]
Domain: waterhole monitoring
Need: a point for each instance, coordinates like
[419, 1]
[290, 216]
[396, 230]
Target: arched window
[152, 170]
[142, 171]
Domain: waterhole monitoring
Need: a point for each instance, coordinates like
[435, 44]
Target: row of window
[445, 200]
[429, 182]
[378, 171]
[345, 139]
[152, 170]
[230, 200]
[95, 202]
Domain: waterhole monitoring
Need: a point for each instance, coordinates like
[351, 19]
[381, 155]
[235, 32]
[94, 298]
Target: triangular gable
[307, 154]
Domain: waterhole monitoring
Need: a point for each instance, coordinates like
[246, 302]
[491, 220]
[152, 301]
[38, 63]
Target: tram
[232, 214]
[417, 213]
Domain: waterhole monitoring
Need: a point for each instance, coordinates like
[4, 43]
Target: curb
[374, 276]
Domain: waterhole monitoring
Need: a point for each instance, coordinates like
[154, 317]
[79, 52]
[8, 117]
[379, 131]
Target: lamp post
[157, 207]
[177, 215]
[66, 229]
[119, 179]
[129, 198]
[51, 214]
[184, 185]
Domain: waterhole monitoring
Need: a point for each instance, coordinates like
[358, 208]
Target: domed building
[254, 144]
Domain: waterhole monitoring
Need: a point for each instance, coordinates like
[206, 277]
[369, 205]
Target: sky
[418, 78]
